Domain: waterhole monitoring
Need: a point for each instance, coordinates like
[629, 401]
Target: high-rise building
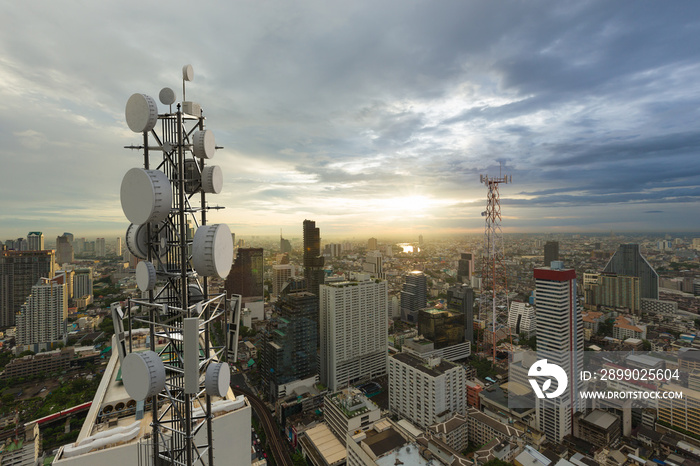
[441, 326]
[353, 336]
[68, 280]
[560, 342]
[414, 296]
[373, 264]
[64, 250]
[35, 241]
[19, 271]
[461, 298]
[465, 267]
[82, 283]
[372, 244]
[628, 260]
[420, 240]
[612, 290]
[78, 245]
[289, 352]
[313, 260]
[118, 247]
[246, 276]
[551, 252]
[281, 273]
[332, 250]
[41, 322]
[21, 244]
[521, 319]
[100, 247]
[426, 391]
[285, 245]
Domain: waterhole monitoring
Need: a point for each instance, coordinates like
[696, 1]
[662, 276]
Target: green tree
[298, 459]
[497, 462]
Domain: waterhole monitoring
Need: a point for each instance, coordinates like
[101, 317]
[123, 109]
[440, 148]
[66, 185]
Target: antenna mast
[165, 201]
[493, 300]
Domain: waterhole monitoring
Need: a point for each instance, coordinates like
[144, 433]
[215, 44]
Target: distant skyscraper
[42, 318]
[21, 244]
[628, 260]
[551, 252]
[461, 298]
[281, 273]
[35, 241]
[246, 277]
[313, 260]
[289, 352]
[118, 247]
[64, 250]
[414, 296]
[100, 247]
[420, 240]
[560, 341]
[79, 245]
[285, 245]
[465, 267]
[82, 283]
[353, 337]
[373, 264]
[19, 271]
[372, 244]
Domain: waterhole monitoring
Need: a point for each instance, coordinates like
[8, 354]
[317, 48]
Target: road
[276, 442]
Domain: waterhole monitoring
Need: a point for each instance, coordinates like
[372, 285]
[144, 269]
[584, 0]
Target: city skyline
[370, 119]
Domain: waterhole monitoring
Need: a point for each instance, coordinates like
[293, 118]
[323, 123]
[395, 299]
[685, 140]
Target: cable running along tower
[181, 374]
[493, 300]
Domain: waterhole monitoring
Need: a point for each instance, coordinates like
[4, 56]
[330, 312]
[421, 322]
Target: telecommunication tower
[182, 374]
[493, 301]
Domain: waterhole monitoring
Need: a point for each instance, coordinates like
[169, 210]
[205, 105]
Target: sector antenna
[166, 202]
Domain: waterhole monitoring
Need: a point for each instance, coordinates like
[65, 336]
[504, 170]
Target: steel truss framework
[493, 300]
[183, 295]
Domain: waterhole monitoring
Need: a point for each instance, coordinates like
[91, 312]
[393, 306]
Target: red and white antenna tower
[493, 301]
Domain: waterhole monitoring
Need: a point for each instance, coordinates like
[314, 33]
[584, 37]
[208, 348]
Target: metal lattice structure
[176, 307]
[493, 301]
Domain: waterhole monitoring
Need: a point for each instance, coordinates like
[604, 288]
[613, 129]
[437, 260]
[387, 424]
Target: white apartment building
[353, 331]
[43, 316]
[281, 273]
[560, 341]
[521, 318]
[426, 391]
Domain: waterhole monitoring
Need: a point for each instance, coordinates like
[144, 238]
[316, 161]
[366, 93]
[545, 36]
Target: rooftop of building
[449, 425]
[600, 418]
[491, 422]
[352, 402]
[382, 442]
[439, 367]
[327, 444]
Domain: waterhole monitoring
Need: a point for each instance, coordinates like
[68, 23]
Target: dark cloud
[591, 106]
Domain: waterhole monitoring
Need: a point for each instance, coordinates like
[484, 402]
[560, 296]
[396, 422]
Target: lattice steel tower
[493, 301]
[179, 378]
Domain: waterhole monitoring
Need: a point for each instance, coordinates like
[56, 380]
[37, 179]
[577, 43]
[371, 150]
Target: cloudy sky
[370, 117]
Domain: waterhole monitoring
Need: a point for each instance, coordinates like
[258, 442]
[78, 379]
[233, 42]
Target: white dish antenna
[212, 179]
[217, 379]
[146, 196]
[143, 374]
[212, 250]
[141, 113]
[203, 144]
[187, 73]
[167, 96]
[145, 276]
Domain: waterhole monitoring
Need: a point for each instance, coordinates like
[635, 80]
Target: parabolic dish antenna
[212, 250]
[141, 113]
[203, 144]
[137, 240]
[217, 379]
[146, 196]
[187, 73]
[143, 374]
[212, 179]
[167, 96]
[145, 276]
